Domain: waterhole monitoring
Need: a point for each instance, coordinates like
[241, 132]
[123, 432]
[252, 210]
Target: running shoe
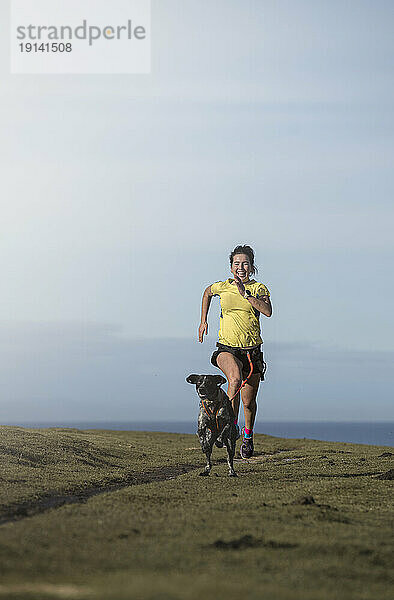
[247, 448]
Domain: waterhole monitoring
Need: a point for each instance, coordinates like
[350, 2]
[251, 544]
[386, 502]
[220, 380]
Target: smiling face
[241, 266]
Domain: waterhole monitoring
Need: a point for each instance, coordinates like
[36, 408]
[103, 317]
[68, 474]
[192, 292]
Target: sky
[262, 122]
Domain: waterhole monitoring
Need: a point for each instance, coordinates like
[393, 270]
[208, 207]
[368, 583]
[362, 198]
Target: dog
[215, 420]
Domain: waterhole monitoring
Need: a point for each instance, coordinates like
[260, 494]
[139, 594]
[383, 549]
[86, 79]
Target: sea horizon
[377, 433]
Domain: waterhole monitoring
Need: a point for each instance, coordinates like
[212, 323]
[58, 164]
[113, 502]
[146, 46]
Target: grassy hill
[115, 514]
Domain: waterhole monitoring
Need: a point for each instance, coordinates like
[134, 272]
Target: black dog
[216, 418]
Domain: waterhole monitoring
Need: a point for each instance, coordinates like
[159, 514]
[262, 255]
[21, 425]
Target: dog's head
[207, 386]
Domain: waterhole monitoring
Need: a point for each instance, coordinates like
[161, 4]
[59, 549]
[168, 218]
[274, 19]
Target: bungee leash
[245, 380]
[214, 415]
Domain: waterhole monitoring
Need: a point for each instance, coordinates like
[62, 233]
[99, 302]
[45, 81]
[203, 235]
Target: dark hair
[249, 253]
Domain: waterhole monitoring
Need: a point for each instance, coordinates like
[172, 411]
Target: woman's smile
[241, 266]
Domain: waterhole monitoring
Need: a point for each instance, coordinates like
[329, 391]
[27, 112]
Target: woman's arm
[206, 301]
[262, 304]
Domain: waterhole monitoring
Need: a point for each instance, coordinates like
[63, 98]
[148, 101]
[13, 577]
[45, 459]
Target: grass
[304, 520]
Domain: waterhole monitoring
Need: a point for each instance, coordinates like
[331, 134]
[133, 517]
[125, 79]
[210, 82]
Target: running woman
[242, 300]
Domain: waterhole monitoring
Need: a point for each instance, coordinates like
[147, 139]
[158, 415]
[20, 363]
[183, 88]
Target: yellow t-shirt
[239, 321]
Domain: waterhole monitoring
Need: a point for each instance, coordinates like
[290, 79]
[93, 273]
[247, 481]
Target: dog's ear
[219, 379]
[192, 378]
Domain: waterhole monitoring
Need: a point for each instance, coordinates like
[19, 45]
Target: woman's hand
[201, 330]
[239, 284]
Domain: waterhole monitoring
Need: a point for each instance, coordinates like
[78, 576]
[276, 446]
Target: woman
[239, 347]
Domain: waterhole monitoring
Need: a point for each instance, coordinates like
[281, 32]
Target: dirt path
[30, 508]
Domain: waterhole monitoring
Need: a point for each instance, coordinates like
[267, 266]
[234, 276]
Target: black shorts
[256, 356]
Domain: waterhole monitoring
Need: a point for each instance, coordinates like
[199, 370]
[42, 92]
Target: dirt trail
[30, 508]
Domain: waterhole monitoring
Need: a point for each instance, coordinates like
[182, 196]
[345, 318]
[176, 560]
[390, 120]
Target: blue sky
[268, 123]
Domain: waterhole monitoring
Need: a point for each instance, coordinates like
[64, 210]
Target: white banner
[80, 36]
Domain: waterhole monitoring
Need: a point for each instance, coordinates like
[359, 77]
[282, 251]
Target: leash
[214, 415]
[245, 380]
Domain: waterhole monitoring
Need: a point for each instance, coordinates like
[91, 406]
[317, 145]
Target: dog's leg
[206, 440]
[221, 419]
[230, 445]
[207, 469]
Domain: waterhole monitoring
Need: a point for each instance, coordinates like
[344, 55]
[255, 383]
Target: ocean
[374, 433]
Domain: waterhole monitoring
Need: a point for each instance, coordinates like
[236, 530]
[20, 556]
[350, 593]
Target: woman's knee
[249, 403]
[234, 380]
[230, 367]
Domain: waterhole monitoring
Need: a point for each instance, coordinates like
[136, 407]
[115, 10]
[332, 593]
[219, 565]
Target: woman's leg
[232, 368]
[249, 394]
